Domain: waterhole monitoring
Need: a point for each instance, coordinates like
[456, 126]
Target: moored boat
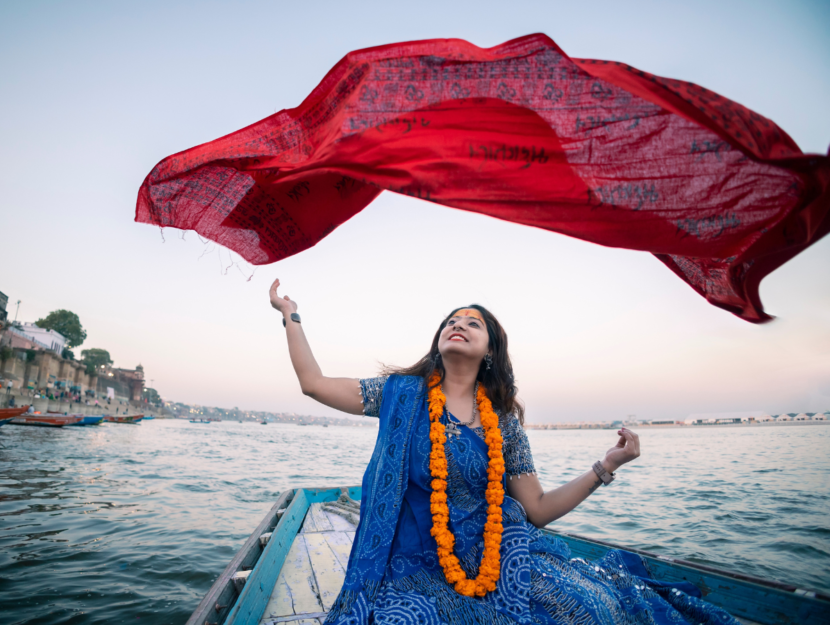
[85, 419]
[129, 419]
[45, 421]
[293, 565]
[7, 414]
[89, 420]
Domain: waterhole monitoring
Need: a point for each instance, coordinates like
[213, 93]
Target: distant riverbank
[671, 426]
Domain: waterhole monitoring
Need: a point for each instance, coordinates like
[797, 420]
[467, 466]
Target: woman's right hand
[339, 393]
[283, 304]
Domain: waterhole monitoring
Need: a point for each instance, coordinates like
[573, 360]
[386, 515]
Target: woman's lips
[457, 337]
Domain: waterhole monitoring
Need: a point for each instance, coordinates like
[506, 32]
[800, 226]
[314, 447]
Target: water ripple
[116, 523]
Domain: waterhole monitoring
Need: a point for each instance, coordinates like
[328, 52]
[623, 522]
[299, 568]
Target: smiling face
[465, 335]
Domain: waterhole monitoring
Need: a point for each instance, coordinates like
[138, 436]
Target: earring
[489, 360]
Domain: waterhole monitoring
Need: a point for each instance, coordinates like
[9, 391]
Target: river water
[132, 524]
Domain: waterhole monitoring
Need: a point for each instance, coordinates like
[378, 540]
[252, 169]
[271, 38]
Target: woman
[451, 502]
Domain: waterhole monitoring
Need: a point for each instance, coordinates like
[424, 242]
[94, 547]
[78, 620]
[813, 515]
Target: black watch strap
[294, 317]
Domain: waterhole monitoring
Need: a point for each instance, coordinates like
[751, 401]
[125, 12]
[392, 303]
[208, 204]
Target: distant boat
[46, 421]
[129, 419]
[85, 419]
[200, 420]
[7, 414]
[277, 560]
[325, 425]
[148, 418]
[263, 423]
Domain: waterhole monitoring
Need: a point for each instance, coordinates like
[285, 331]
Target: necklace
[452, 426]
[490, 569]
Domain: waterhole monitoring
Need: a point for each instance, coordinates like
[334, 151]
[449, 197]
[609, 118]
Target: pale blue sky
[95, 93]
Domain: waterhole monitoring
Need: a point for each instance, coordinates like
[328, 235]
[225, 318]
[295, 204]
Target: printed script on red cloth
[596, 150]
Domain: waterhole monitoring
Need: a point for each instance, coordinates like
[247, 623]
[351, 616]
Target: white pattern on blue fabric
[540, 584]
[371, 390]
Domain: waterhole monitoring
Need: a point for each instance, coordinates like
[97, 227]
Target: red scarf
[593, 149]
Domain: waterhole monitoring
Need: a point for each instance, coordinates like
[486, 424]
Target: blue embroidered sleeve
[517, 457]
[371, 390]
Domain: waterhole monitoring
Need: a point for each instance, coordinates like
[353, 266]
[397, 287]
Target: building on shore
[50, 339]
[31, 360]
[125, 384]
[29, 365]
[726, 418]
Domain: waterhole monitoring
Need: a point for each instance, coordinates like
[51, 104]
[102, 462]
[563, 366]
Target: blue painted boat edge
[88, 421]
[761, 601]
[254, 597]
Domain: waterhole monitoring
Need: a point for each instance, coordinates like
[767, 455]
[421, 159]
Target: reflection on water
[133, 523]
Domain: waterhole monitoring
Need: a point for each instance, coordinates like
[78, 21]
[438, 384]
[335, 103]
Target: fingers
[274, 285]
[633, 440]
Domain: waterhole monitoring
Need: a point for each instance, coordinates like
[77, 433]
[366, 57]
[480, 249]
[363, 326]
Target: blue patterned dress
[539, 584]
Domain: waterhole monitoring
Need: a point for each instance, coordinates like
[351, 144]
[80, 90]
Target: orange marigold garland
[490, 569]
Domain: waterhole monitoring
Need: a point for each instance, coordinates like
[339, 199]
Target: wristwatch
[602, 474]
[294, 317]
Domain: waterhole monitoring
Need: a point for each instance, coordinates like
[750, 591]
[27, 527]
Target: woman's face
[464, 336]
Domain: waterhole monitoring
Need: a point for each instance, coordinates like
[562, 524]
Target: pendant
[452, 430]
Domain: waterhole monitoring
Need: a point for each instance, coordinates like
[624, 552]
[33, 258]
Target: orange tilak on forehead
[469, 312]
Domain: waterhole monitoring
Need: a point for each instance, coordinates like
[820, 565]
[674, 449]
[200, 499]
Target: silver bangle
[602, 474]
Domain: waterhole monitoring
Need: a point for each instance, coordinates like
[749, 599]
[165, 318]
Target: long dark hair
[498, 379]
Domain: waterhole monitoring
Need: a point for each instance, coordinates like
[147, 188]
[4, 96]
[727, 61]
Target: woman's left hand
[626, 450]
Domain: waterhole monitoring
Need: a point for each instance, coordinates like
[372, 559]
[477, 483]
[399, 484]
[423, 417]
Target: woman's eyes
[475, 324]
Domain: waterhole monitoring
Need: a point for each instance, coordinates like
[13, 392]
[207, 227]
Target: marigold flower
[490, 568]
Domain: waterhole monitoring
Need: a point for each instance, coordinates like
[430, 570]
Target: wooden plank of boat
[48, 421]
[83, 419]
[128, 419]
[298, 574]
[7, 414]
[216, 604]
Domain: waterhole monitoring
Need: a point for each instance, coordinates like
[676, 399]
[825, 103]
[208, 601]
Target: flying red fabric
[597, 150]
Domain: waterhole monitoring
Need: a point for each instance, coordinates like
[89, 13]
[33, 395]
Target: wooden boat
[45, 420]
[292, 567]
[7, 414]
[88, 420]
[85, 419]
[129, 419]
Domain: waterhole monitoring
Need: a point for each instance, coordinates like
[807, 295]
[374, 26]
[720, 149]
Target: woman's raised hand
[626, 450]
[340, 393]
[283, 304]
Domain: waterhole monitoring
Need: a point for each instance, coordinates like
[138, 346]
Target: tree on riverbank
[66, 323]
[95, 358]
